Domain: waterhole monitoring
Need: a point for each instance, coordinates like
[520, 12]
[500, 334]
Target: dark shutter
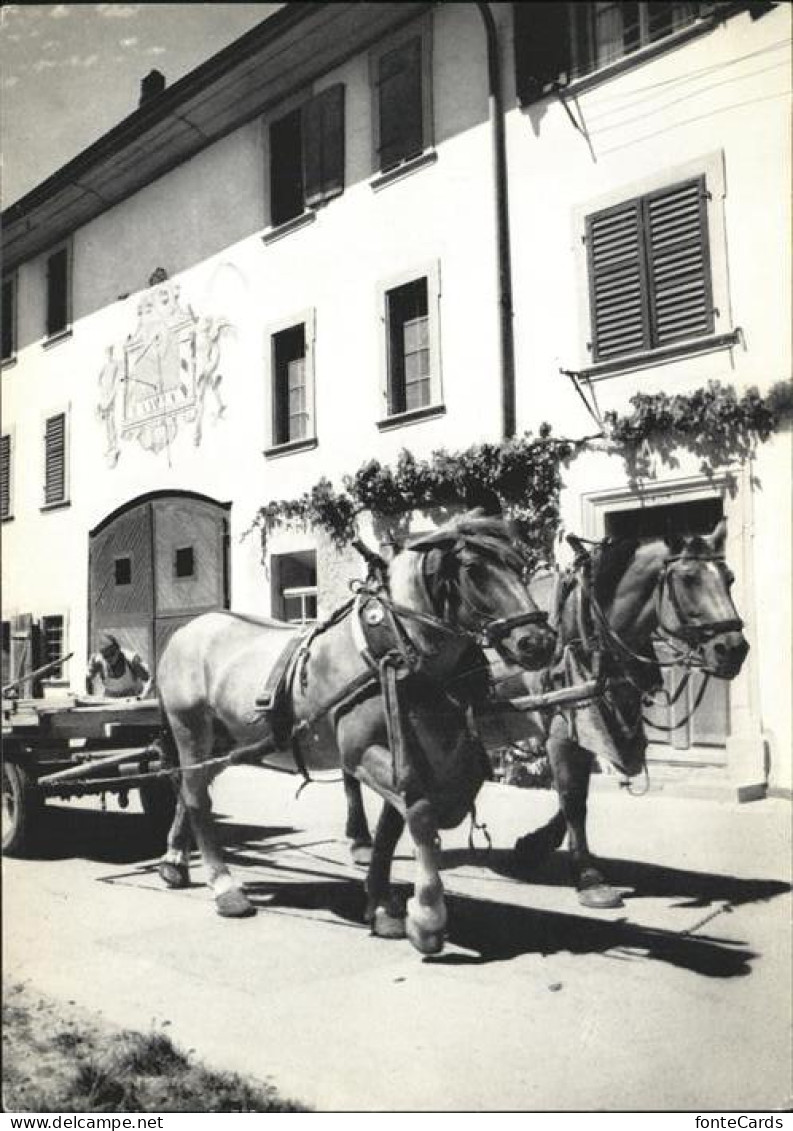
[542, 47]
[649, 262]
[5, 476]
[286, 168]
[401, 106]
[617, 289]
[323, 146]
[55, 459]
[57, 292]
[679, 261]
[9, 319]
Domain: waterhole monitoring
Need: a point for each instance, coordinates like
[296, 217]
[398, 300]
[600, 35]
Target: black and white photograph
[397, 520]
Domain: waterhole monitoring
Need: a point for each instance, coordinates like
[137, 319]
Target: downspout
[506, 336]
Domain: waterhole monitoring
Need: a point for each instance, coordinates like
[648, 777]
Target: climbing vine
[523, 476]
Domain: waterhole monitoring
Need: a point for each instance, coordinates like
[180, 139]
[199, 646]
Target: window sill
[648, 358]
[428, 157]
[8, 362]
[56, 339]
[414, 416]
[289, 226]
[60, 505]
[627, 62]
[291, 448]
[7, 518]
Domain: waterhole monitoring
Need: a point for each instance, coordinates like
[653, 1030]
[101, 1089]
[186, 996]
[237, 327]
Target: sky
[70, 72]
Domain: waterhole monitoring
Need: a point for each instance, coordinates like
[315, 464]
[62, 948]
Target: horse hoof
[174, 875]
[234, 905]
[600, 897]
[361, 854]
[426, 942]
[387, 926]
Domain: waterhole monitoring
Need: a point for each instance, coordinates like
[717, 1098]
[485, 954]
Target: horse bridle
[693, 635]
[489, 632]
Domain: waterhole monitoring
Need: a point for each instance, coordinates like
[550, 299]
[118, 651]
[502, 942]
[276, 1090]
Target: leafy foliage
[523, 476]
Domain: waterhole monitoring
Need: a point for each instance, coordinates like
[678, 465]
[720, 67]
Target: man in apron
[122, 674]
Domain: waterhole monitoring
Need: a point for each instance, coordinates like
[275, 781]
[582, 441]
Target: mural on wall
[160, 378]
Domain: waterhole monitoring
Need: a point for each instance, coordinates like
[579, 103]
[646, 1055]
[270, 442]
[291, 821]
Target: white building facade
[289, 262]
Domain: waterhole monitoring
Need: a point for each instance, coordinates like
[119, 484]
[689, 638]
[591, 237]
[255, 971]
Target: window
[294, 579]
[122, 571]
[401, 77]
[52, 643]
[58, 292]
[412, 356]
[292, 382]
[649, 271]
[5, 671]
[558, 43]
[184, 562]
[55, 460]
[6, 510]
[307, 155]
[9, 318]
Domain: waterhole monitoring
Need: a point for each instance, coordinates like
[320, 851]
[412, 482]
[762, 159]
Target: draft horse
[366, 690]
[613, 604]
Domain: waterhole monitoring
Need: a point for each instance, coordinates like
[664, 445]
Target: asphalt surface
[680, 1000]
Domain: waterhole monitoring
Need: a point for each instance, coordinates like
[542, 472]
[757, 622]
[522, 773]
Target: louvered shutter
[617, 286]
[57, 292]
[400, 99]
[55, 459]
[9, 319]
[5, 476]
[323, 145]
[542, 47]
[286, 168]
[679, 262]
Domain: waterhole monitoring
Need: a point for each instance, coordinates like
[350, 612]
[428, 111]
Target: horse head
[694, 608]
[471, 576]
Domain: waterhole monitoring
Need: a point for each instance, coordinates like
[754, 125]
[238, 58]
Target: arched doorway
[154, 564]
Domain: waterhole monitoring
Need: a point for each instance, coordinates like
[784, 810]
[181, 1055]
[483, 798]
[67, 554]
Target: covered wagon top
[288, 50]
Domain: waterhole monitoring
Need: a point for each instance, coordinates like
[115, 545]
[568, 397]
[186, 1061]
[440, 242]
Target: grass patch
[57, 1060]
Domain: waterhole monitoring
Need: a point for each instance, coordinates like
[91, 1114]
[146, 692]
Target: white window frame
[430, 271]
[278, 593]
[421, 28]
[308, 319]
[66, 412]
[724, 334]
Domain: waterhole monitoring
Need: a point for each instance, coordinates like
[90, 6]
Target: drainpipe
[506, 336]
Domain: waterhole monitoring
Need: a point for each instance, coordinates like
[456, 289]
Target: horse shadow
[491, 930]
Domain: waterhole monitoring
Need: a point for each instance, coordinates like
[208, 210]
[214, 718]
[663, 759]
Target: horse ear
[718, 538]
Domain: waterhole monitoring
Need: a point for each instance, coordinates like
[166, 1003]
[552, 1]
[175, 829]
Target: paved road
[536, 1004]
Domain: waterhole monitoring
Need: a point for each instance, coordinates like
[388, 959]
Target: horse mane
[486, 534]
[611, 562]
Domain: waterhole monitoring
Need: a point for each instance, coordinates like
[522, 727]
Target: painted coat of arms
[163, 373]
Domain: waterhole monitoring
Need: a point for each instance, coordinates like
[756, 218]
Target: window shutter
[323, 145]
[542, 47]
[57, 292]
[5, 477]
[679, 262]
[55, 459]
[617, 286]
[286, 168]
[8, 319]
[401, 107]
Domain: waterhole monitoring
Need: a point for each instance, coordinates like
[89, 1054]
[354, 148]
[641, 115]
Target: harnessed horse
[615, 602]
[366, 689]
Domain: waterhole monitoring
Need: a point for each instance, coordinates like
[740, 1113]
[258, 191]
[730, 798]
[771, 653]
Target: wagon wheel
[22, 807]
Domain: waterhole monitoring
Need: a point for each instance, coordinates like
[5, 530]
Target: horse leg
[174, 868]
[572, 766]
[357, 828]
[426, 911]
[533, 848]
[383, 911]
[194, 743]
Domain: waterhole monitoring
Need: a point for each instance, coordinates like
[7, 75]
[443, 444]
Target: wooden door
[121, 571]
